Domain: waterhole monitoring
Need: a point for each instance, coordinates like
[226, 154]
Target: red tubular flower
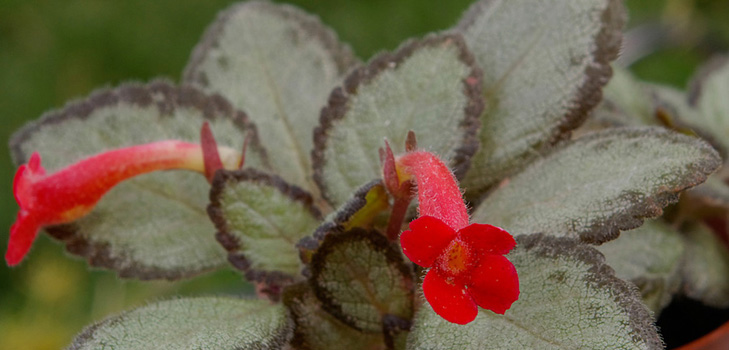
[468, 267]
[71, 192]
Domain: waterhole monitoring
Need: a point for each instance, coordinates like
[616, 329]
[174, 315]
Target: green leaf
[195, 323]
[706, 267]
[569, 299]
[430, 86]
[544, 65]
[599, 184]
[279, 65]
[260, 218]
[317, 329]
[708, 94]
[650, 257]
[361, 279]
[154, 225]
[626, 102]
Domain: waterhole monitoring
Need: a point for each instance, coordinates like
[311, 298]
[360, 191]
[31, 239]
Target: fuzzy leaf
[317, 329]
[569, 299]
[196, 323]
[599, 184]
[360, 279]
[544, 65]
[260, 218]
[650, 257]
[706, 269]
[154, 225]
[430, 86]
[627, 102]
[708, 95]
[278, 64]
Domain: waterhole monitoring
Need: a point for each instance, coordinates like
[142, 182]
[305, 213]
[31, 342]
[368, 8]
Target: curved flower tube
[72, 192]
[467, 263]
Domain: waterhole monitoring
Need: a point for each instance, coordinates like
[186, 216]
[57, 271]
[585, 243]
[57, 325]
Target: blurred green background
[54, 51]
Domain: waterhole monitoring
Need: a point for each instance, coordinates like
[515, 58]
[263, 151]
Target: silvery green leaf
[706, 270]
[195, 323]
[650, 257]
[601, 183]
[361, 279]
[429, 86]
[154, 225]
[626, 102]
[708, 95]
[544, 65]
[316, 329]
[278, 64]
[260, 218]
[570, 299]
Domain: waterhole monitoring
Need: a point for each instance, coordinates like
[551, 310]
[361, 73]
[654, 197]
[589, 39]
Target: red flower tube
[71, 192]
[467, 263]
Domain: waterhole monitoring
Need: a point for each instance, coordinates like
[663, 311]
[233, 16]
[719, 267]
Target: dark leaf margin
[273, 281]
[608, 43]
[600, 275]
[651, 206]
[165, 97]
[338, 104]
[311, 25]
[378, 242]
[160, 93]
[301, 293]
[338, 222]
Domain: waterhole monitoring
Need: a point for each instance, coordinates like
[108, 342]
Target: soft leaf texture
[601, 183]
[706, 268]
[360, 279]
[570, 299]
[650, 257]
[316, 329]
[708, 95]
[260, 218]
[154, 225]
[429, 86]
[544, 64]
[278, 64]
[197, 323]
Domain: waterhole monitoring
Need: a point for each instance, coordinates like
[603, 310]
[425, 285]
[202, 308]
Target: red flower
[72, 192]
[468, 267]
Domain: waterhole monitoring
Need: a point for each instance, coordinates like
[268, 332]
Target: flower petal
[487, 239]
[426, 239]
[450, 301]
[494, 284]
[22, 234]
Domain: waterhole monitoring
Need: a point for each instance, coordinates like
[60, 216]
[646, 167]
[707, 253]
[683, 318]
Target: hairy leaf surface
[195, 323]
[278, 64]
[429, 86]
[650, 257]
[260, 218]
[154, 225]
[601, 183]
[544, 66]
